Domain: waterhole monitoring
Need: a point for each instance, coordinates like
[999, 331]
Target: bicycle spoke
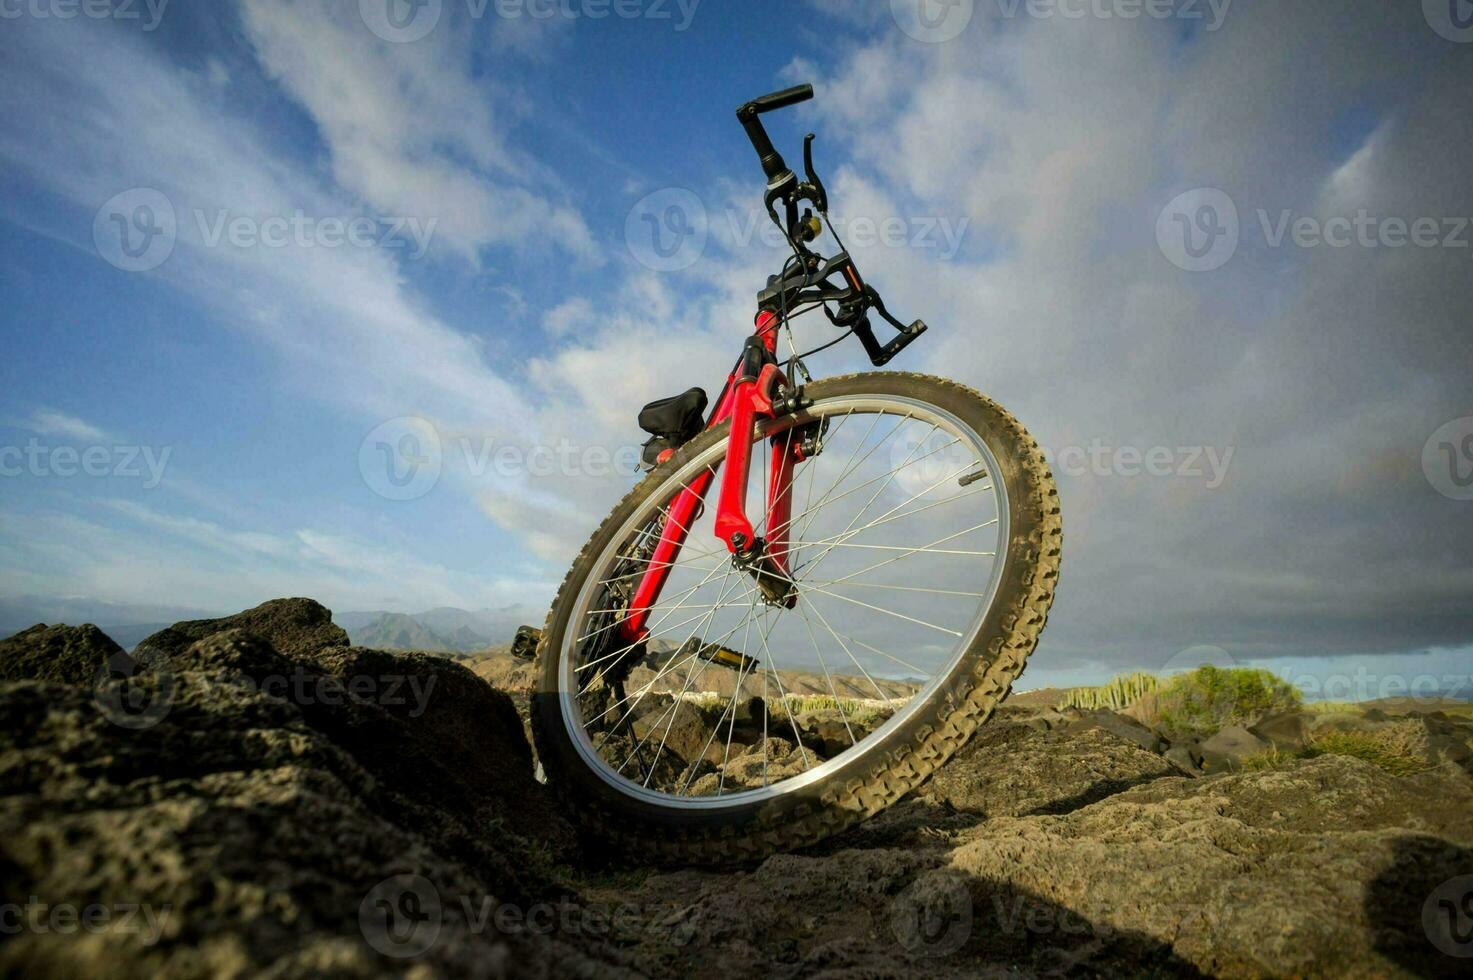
[664, 733]
[887, 612]
[833, 690]
[878, 693]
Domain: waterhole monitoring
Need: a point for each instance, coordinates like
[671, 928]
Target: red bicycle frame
[746, 398]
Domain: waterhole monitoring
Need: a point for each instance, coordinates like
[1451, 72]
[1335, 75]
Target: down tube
[672, 538]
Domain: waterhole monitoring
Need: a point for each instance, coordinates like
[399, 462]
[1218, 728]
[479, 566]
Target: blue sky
[1030, 161]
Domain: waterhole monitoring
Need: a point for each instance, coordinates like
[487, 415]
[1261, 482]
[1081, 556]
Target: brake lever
[881, 355]
[820, 196]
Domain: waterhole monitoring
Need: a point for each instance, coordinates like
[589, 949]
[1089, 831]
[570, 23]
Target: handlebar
[772, 161]
[812, 282]
[781, 100]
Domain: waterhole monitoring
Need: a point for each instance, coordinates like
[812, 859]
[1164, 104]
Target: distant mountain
[124, 622]
[400, 631]
[442, 629]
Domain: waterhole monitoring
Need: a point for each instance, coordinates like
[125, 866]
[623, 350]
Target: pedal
[719, 655]
[524, 647]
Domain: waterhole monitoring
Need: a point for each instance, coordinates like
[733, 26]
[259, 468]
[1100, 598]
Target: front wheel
[923, 547]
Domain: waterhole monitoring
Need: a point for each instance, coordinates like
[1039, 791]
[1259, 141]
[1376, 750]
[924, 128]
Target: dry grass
[1388, 749]
[1384, 748]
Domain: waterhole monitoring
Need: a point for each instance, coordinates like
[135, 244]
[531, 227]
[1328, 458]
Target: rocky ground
[257, 797]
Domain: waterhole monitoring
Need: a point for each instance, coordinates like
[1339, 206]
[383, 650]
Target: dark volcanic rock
[1123, 726]
[1287, 730]
[1266, 873]
[1230, 748]
[1013, 768]
[258, 812]
[231, 808]
[291, 626]
[65, 654]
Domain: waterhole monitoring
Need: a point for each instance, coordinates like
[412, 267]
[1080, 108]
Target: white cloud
[409, 127]
[53, 423]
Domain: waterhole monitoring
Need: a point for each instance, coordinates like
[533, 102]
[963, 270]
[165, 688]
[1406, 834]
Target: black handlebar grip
[783, 99]
[772, 161]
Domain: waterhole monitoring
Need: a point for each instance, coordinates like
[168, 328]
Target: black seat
[679, 418]
[672, 422]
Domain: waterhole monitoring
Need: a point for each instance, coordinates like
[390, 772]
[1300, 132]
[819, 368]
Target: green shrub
[861, 711]
[1381, 749]
[1203, 701]
[1120, 692]
[1334, 708]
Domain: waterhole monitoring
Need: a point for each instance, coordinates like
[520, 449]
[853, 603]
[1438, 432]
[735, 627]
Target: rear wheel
[924, 551]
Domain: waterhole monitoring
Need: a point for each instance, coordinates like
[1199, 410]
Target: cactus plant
[1120, 692]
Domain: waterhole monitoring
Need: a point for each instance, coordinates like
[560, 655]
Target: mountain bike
[718, 684]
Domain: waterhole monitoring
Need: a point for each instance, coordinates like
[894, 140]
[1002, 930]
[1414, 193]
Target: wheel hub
[775, 584]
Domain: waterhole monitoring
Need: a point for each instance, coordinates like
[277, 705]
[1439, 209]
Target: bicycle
[685, 708]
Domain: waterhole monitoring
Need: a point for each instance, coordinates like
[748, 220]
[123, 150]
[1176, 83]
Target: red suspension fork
[751, 396]
[747, 393]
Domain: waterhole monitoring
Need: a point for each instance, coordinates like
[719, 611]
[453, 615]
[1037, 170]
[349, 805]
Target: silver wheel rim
[847, 408]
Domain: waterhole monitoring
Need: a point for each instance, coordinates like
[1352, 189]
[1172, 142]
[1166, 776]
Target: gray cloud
[1323, 369]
